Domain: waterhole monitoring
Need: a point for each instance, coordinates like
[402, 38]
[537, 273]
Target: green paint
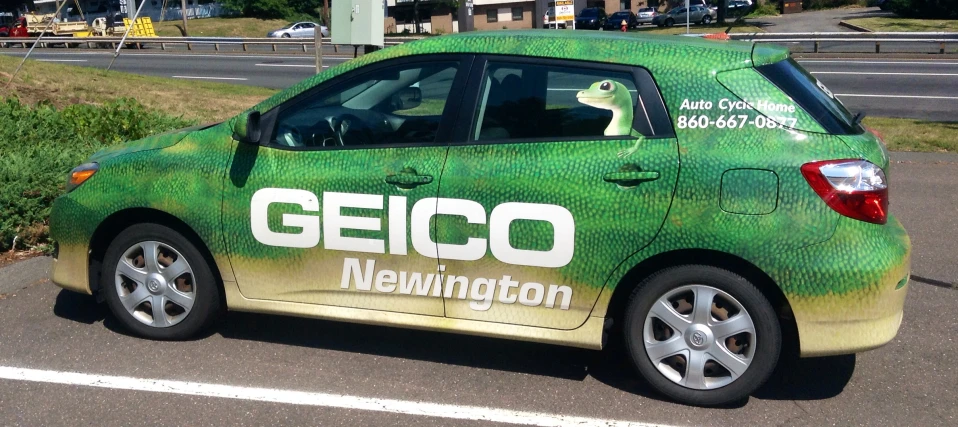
[206, 179]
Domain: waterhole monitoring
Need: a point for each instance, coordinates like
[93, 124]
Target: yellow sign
[565, 10]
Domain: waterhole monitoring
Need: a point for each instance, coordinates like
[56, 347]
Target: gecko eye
[606, 85]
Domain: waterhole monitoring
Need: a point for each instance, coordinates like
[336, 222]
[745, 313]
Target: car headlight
[81, 174]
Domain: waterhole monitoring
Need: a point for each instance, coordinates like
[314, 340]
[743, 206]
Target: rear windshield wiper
[858, 118]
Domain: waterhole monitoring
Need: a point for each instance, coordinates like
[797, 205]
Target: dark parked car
[615, 20]
[592, 18]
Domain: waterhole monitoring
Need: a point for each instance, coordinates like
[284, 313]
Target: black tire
[286, 36]
[669, 22]
[205, 285]
[768, 335]
[707, 19]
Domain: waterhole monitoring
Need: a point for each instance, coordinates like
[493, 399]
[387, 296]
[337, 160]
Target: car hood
[154, 142]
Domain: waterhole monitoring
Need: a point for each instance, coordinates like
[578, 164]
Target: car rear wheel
[158, 285]
[702, 335]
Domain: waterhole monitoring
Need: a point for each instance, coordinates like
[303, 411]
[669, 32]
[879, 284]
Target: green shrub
[831, 4]
[39, 145]
[930, 9]
[767, 9]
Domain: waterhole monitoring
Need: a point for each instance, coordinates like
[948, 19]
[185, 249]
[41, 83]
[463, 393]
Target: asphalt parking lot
[261, 370]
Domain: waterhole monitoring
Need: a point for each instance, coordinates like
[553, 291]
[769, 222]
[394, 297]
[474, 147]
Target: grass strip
[63, 85]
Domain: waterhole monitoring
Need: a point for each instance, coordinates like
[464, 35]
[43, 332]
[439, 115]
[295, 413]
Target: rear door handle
[630, 178]
[408, 179]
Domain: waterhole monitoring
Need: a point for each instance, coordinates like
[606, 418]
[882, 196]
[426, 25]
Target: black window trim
[649, 95]
[444, 134]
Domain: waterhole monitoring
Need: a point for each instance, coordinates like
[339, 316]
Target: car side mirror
[247, 129]
[407, 98]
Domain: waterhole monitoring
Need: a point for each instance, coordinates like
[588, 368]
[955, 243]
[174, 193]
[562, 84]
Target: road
[819, 21]
[919, 89]
[324, 373]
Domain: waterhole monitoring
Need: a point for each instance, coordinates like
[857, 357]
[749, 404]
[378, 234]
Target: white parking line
[475, 413]
[895, 96]
[885, 74]
[210, 78]
[290, 65]
[62, 60]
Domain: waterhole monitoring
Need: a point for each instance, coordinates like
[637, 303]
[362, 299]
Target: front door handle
[408, 179]
[627, 178]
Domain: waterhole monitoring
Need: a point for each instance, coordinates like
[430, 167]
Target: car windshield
[588, 13]
[288, 26]
[620, 15]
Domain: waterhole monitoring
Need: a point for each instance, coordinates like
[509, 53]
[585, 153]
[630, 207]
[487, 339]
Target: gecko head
[606, 94]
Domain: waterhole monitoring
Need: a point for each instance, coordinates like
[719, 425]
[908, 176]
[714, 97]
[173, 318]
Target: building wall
[504, 16]
[442, 21]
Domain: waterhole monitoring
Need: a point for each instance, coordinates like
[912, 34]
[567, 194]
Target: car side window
[396, 105]
[552, 102]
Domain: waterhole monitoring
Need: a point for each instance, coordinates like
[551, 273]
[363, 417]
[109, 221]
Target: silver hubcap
[699, 337]
[155, 284]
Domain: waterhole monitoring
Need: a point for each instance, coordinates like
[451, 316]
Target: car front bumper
[846, 294]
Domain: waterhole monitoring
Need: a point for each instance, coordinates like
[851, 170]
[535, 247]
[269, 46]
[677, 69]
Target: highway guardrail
[839, 42]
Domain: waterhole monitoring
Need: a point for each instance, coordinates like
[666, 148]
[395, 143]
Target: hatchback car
[592, 18]
[706, 203]
[696, 15]
[645, 15]
[299, 29]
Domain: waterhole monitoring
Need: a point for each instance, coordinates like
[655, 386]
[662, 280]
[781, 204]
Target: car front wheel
[707, 19]
[702, 335]
[157, 283]
[669, 22]
[286, 35]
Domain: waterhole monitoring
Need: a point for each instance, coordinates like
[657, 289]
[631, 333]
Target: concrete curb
[854, 27]
[23, 274]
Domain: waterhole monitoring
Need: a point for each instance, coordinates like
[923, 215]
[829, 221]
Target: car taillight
[854, 188]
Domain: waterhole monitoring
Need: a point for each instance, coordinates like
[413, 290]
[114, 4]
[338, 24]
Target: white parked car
[299, 29]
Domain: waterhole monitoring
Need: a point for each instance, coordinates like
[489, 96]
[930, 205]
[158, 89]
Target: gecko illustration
[613, 96]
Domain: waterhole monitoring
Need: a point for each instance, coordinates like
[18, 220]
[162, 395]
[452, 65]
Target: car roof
[658, 53]
[650, 51]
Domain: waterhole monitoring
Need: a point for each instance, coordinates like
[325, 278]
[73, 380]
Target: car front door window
[392, 106]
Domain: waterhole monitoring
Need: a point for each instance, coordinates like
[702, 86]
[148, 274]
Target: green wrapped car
[708, 202]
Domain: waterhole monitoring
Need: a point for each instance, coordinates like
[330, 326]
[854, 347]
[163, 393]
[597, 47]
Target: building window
[517, 14]
[492, 15]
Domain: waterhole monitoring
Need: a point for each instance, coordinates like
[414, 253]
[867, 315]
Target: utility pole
[183, 8]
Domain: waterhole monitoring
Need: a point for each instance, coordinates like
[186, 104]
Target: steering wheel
[349, 125]
[289, 136]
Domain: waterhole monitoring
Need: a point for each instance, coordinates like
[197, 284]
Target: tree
[722, 6]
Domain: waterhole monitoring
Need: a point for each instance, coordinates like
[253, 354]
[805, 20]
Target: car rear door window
[543, 102]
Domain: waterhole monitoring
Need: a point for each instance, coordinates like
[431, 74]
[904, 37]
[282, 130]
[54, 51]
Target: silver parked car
[645, 15]
[299, 29]
[696, 15]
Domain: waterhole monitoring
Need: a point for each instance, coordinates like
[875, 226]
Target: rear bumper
[846, 294]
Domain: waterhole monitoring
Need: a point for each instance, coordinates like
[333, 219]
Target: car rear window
[812, 96]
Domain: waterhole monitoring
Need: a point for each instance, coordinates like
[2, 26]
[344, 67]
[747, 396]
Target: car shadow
[814, 378]
[78, 307]
[439, 347]
[794, 379]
